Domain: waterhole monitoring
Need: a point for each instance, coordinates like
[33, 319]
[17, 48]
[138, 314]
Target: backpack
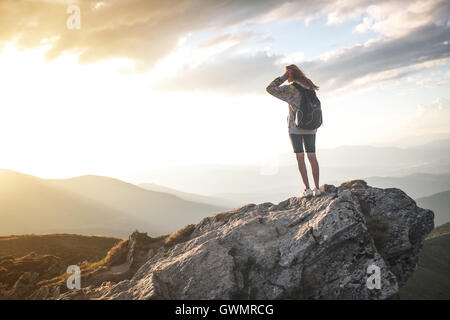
[309, 116]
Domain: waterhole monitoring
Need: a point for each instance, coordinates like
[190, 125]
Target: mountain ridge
[90, 205]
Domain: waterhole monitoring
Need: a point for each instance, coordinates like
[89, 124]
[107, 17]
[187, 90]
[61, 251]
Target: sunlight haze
[197, 95]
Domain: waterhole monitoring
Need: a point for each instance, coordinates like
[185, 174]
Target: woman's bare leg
[314, 167]
[302, 168]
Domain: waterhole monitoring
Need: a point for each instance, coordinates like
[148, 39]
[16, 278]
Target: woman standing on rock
[298, 136]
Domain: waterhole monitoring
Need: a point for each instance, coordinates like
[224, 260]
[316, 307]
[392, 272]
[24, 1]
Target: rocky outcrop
[300, 248]
[121, 263]
[19, 276]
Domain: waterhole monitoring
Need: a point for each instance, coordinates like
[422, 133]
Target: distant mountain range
[420, 171]
[176, 196]
[336, 165]
[32, 205]
[416, 185]
[91, 205]
[190, 196]
[107, 206]
[440, 204]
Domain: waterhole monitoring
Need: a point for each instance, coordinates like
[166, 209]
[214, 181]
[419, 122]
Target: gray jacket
[292, 96]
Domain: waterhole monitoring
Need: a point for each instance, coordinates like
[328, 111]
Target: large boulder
[302, 248]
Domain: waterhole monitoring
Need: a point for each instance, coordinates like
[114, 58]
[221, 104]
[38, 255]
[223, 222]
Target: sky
[136, 85]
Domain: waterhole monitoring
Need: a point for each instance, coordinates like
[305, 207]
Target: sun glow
[59, 115]
[61, 119]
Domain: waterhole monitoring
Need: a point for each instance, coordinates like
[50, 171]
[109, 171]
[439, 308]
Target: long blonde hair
[299, 76]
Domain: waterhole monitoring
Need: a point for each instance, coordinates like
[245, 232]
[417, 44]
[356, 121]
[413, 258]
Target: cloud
[225, 73]
[402, 49]
[387, 17]
[428, 123]
[142, 30]
[359, 65]
[374, 16]
[396, 18]
[293, 57]
[432, 118]
[147, 31]
[380, 56]
[335, 11]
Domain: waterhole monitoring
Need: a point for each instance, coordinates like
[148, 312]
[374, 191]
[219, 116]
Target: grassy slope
[431, 280]
[48, 255]
[439, 231]
[72, 248]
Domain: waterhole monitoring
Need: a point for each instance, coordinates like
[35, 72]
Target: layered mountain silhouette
[255, 183]
[417, 185]
[190, 196]
[440, 204]
[32, 205]
[101, 205]
[90, 205]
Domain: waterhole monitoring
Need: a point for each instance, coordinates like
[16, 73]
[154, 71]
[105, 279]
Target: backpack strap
[299, 87]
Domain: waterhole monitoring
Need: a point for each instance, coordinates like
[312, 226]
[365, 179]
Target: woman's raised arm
[281, 92]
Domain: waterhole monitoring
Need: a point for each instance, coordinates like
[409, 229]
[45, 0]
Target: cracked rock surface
[301, 248]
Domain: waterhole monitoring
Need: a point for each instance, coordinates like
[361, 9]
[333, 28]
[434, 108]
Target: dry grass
[48, 255]
[94, 255]
[354, 184]
[71, 248]
[117, 254]
[179, 236]
[45, 265]
[146, 242]
[439, 231]
[92, 271]
[225, 215]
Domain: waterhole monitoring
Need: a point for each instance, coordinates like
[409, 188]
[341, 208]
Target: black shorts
[297, 141]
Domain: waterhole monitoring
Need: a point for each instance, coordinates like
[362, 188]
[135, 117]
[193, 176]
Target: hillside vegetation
[46, 256]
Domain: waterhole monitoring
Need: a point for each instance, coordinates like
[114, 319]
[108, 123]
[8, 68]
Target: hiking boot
[316, 192]
[307, 193]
